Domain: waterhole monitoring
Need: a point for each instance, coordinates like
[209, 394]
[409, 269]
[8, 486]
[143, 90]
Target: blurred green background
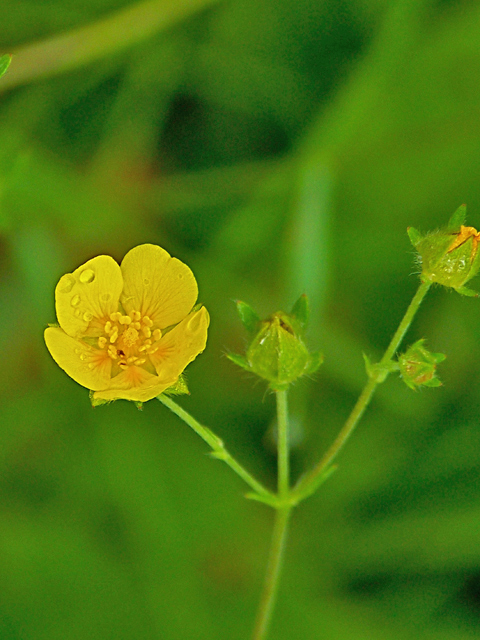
[277, 147]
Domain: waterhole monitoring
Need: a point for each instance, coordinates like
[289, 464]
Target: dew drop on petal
[87, 316]
[66, 283]
[105, 297]
[77, 313]
[75, 300]
[87, 276]
[194, 323]
[82, 356]
[146, 281]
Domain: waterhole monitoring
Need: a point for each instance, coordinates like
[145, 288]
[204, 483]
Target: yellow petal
[135, 384]
[157, 285]
[88, 366]
[92, 291]
[181, 345]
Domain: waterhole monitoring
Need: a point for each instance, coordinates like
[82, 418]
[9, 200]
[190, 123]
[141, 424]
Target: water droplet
[87, 316]
[83, 356]
[66, 283]
[77, 313]
[90, 365]
[77, 351]
[194, 323]
[87, 276]
[146, 281]
[75, 300]
[105, 297]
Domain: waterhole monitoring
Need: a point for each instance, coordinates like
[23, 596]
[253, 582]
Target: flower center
[129, 339]
[130, 336]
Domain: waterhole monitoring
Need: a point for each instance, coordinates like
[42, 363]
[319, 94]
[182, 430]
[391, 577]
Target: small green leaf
[458, 218]
[5, 61]
[312, 487]
[271, 501]
[414, 235]
[301, 311]
[248, 316]
[368, 365]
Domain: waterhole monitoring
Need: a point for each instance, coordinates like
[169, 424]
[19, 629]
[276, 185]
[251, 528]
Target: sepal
[248, 316]
[457, 219]
[179, 388]
[300, 312]
[414, 235]
[418, 366]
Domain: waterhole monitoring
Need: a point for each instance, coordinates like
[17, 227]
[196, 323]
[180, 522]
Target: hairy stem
[304, 487]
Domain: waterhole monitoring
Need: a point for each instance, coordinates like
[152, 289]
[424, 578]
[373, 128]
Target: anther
[146, 332]
[114, 335]
[108, 326]
[146, 321]
[157, 334]
[112, 352]
[102, 341]
[125, 320]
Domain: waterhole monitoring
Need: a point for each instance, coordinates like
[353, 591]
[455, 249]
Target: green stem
[279, 536]
[219, 450]
[283, 452]
[277, 550]
[305, 486]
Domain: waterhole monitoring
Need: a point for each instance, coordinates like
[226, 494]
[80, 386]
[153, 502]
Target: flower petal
[88, 366]
[181, 345]
[135, 384]
[91, 291]
[157, 285]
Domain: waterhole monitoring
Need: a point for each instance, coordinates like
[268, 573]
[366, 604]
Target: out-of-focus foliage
[277, 147]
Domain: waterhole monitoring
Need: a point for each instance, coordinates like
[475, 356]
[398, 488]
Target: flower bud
[417, 366]
[449, 257]
[277, 352]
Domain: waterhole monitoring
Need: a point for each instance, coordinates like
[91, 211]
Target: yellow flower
[115, 334]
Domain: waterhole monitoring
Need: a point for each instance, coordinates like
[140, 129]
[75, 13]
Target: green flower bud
[277, 352]
[449, 257]
[418, 365]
